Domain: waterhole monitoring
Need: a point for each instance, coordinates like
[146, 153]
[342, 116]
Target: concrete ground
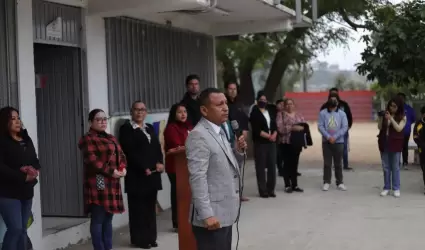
[356, 219]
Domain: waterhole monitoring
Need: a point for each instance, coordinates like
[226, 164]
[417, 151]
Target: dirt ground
[362, 144]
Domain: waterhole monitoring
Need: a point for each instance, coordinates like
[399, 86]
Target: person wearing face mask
[264, 135]
[419, 137]
[145, 164]
[175, 134]
[390, 142]
[104, 165]
[343, 105]
[333, 125]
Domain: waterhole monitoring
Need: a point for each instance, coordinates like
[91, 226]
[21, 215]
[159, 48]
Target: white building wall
[97, 98]
[27, 103]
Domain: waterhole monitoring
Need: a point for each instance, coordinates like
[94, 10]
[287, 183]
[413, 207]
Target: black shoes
[154, 244]
[263, 195]
[272, 194]
[146, 246]
[295, 189]
[348, 169]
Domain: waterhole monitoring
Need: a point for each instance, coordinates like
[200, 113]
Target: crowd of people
[202, 126]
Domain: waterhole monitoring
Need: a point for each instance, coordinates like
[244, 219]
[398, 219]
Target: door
[60, 124]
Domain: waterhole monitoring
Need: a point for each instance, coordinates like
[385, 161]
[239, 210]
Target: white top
[267, 116]
[215, 127]
[143, 128]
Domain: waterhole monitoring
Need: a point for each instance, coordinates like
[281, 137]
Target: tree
[395, 51]
[241, 54]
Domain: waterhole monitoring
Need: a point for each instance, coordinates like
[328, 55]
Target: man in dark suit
[236, 111]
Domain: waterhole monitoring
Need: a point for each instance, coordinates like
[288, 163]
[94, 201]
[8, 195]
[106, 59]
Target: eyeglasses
[140, 110]
[101, 119]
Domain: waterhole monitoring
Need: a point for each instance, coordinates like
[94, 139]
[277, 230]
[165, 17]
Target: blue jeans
[101, 228]
[16, 214]
[345, 153]
[391, 167]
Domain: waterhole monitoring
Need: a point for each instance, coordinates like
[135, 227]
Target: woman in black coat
[264, 135]
[19, 169]
[144, 167]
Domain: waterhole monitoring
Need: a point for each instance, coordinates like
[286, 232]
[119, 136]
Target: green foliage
[395, 52]
[341, 82]
[280, 51]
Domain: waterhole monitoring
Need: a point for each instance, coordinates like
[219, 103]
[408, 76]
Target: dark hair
[173, 112]
[228, 83]
[423, 110]
[192, 77]
[333, 89]
[401, 94]
[204, 97]
[5, 116]
[93, 113]
[279, 101]
[333, 95]
[134, 104]
[260, 94]
[400, 108]
[287, 100]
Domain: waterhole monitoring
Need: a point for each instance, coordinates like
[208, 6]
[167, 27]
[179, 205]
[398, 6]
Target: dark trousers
[220, 239]
[422, 162]
[332, 153]
[100, 228]
[405, 153]
[279, 159]
[291, 157]
[173, 195]
[15, 214]
[345, 155]
[142, 217]
[265, 158]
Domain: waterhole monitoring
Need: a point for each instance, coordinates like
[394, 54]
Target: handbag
[100, 179]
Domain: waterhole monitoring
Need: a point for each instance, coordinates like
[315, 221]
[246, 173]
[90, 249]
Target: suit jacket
[214, 176]
[141, 155]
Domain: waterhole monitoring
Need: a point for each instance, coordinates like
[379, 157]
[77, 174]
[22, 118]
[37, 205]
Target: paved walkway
[317, 220]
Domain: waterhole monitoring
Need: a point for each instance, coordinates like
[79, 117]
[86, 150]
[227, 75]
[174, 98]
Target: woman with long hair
[175, 134]
[287, 122]
[263, 124]
[104, 165]
[390, 141]
[19, 169]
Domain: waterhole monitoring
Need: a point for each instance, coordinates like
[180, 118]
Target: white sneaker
[326, 187]
[342, 187]
[385, 192]
[397, 193]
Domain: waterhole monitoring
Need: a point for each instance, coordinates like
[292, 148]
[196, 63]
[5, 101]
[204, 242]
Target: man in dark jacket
[236, 112]
[342, 105]
[190, 99]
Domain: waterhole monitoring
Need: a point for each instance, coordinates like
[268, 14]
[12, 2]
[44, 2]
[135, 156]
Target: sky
[347, 57]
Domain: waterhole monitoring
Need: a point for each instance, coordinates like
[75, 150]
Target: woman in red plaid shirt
[104, 165]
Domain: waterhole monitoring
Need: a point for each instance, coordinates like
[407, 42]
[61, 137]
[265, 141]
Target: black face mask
[332, 104]
[261, 104]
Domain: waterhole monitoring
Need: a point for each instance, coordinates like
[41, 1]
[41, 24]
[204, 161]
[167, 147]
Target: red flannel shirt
[100, 157]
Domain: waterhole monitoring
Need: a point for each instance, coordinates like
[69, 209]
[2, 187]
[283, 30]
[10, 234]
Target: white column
[96, 63]
[27, 101]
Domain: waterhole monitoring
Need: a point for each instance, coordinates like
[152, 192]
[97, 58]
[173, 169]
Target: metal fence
[150, 62]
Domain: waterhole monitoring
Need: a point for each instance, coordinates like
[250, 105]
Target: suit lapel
[225, 146]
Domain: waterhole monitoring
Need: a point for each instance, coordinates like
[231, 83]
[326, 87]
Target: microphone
[235, 127]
